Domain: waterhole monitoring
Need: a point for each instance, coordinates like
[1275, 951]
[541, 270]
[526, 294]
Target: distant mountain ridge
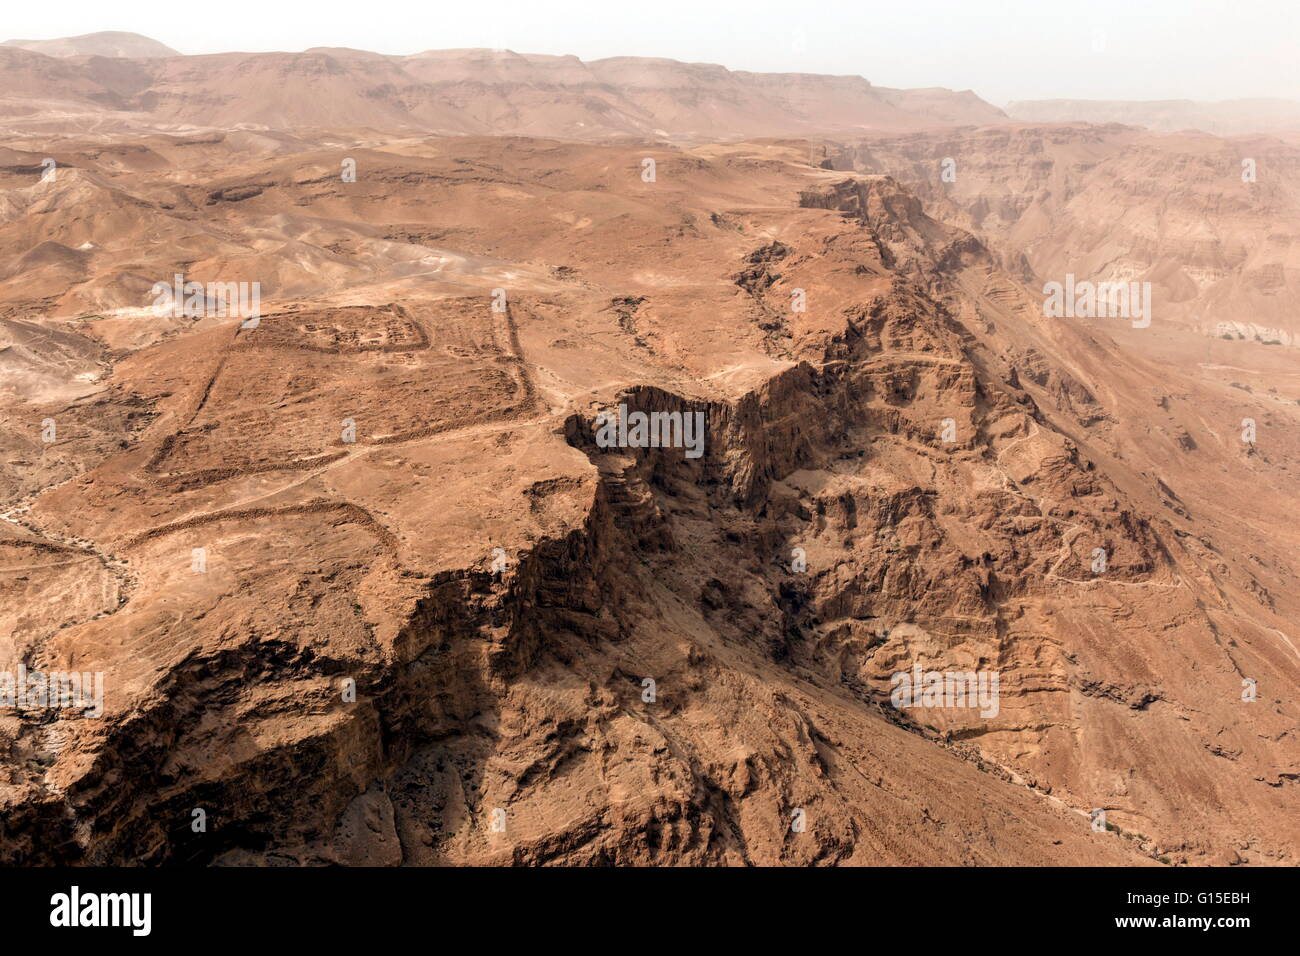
[1223, 118]
[475, 92]
[107, 43]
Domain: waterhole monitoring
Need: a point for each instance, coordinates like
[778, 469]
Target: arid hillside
[448, 92]
[1228, 117]
[113, 43]
[367, 583]
[1213, 224]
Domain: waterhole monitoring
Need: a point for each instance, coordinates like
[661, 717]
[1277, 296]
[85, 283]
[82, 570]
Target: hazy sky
[1002, 49]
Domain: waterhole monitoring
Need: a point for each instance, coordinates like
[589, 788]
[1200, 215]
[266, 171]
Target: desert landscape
[322, 377]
